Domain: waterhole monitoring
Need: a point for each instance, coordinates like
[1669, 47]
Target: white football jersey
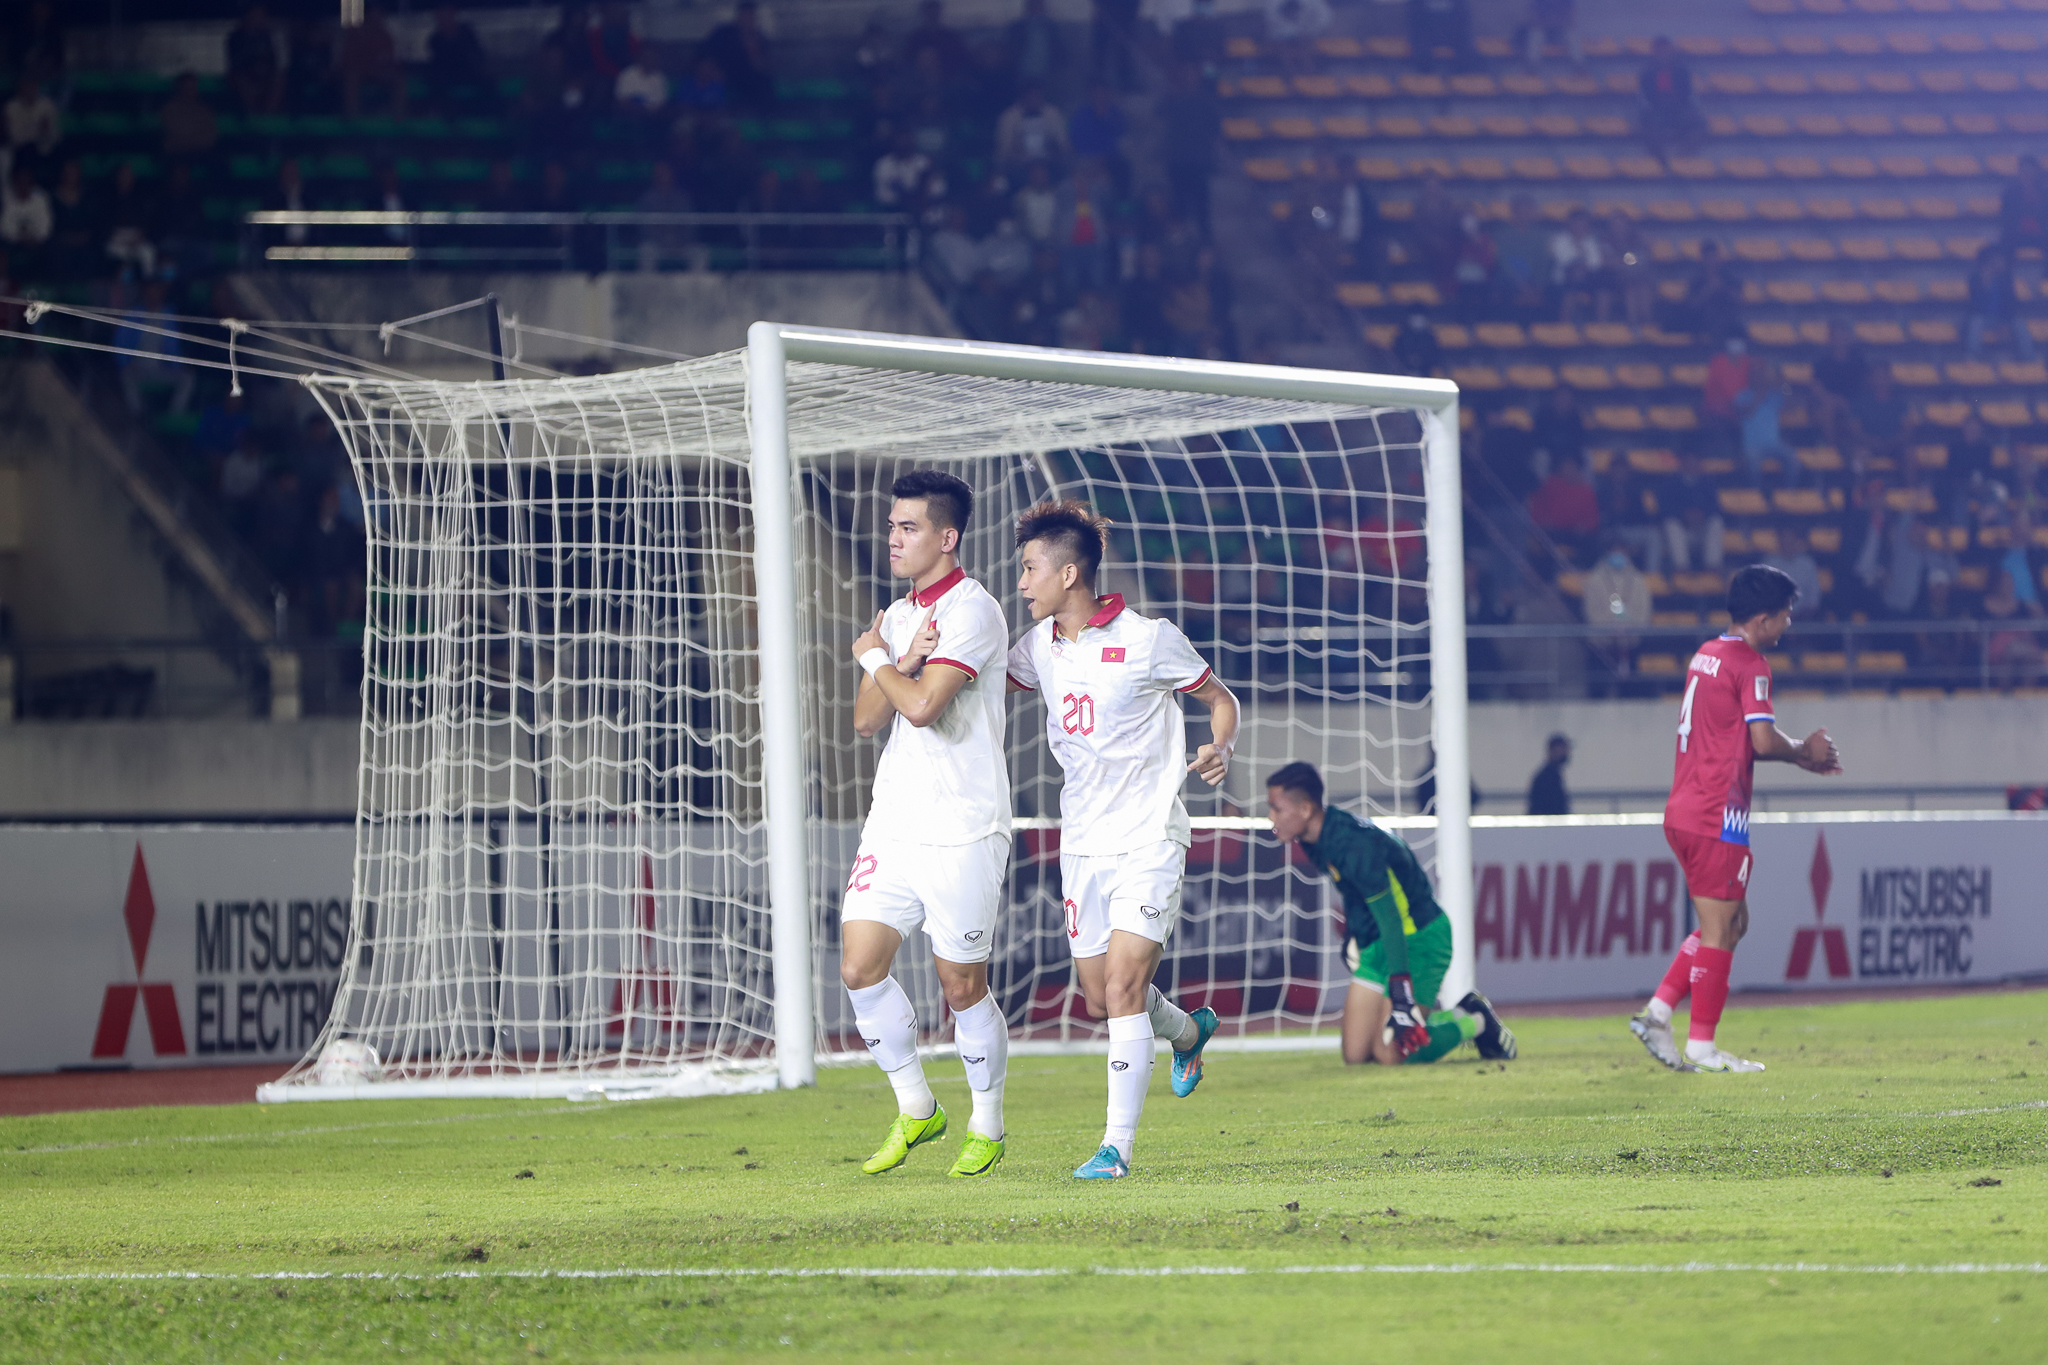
[1114, 725]
[948, 783]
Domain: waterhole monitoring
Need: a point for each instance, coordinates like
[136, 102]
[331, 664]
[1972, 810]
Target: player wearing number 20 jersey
[1111, 681]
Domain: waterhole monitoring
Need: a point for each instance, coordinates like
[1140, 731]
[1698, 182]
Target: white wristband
[874, 659]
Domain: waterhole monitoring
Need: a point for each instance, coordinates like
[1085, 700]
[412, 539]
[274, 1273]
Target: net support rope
[610, 784]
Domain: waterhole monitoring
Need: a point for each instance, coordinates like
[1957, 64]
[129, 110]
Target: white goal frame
[772, 346]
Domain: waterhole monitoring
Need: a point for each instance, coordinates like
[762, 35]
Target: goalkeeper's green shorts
[1429, 957]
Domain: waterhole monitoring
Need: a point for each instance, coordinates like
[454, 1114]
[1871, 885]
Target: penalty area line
[1047, 1272]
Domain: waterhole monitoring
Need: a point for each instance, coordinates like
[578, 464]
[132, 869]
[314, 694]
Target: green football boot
[978, 1156]
[905, 1133]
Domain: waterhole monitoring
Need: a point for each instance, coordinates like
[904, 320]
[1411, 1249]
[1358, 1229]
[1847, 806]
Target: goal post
[610, 789]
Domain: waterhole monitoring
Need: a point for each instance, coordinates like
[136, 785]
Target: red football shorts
[1719, 871]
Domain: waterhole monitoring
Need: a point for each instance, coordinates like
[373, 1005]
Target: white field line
[1040, 1272]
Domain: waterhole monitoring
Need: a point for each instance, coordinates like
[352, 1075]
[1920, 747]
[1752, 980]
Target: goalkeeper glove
[1406, 1031]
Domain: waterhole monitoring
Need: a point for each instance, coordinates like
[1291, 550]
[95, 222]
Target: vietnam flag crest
[1112, 654]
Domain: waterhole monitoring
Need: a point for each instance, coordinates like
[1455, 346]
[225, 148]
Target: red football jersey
[1727, 686]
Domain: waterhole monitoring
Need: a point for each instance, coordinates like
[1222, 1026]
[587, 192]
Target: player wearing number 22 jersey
[1112, 681]
[935, 851]
[1726, 722]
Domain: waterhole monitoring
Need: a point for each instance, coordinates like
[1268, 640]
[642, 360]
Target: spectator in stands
[1034, 47]
[312, 85]
[1761, 410]
[1565, 507]
[2015, 655]
[1097, 131]
[178, 222]
[1840, 377]
[1559, 427]
[73, 251]
[1629, 513]
[369, 62]
[1550, 21]
[152, 369]
[190, 129]
[1434, 229]
[1037, 204]
[1881, 418]
[1580, 270]
[289, 195]
[1416, 348]
[1728, 373]
[1547, 794]
[240, 475]
[252, 62]
[661, 245]
[614, 46]
[1190, 124]
[127, 215]
[35, 41]
[1440, 31]
[391, 199]
[704, 90]
[1030, 130]
[1693, 531]
[1994, 305]
[25, 219]
[899, 173]
[333, 568]
[1712, 305]
[1670, 121]
[1292, 27]
[459, 74]
[34, 126]
[986, 311]
[1470, 286]
[1522, 264]
[1794, 555]
[1113, 41]
[1616, 602]
[2023, 208]
[222, 424]
[1628, 251]
[952, 258]
[740, 49]
[930, 34]
[1144, 303]
[641, 91]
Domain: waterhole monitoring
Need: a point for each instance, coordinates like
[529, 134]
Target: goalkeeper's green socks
[1447, 1029]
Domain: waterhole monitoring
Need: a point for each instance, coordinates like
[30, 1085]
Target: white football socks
[983, 1037]
[888, 1025]
[1170, 1021]
[1131, 1049]
[1658, 1011]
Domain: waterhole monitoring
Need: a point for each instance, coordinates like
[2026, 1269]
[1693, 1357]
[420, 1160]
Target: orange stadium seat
[1932, 331]
[1971, 374]
[1269, 168]
[1858, 44]
[1317, 87]
[1743, 502]
[1505, 125]
[2030, 372]
[1819, 125]
[1534, 168]
[1790, 291]
[1883, 208]
[1294, 127]
[1837, 82]
[1852, 167]
[1587, 376]
[1378, 168]
[1724, 210]
[1482, 168]
[1924, 125]
[1416, 293]
[1958, 164]
[1673, 417]
[1692, 375]
[1759, 249]
[1904, 167]
[1505, 336]
[1820, 459]
[1766, 125]
[1833, 210]
[1845, 291]
[1798, 167]
[1532, 376]
[1744, 167]
[1915, 374]
[1335, 45]
[1800, 502]
[1422, 84]
[1453, 126]
[1944, 82]
[1693, 167]
[1995, 82]
[2006, 413]
[1773, 333]
[1555, 125]
[1476, 377]
[1361, 294]
[1263, 87]
[1948, 291]
[1640, 167]
[1371, 86]
[1916, 248]
[1731, 83]
[1589, 168]
[1398, 126]
[1752, 45]
[1787, 83]
[1880, 333]
[2015, 42]
[1639, 375]
[1524, 84]
[1617, 417]
[1451, 336]
[1935, 206]
[1348, 126]
[1811, 249]
[1243, 129]
[1474, 86]
[1555, 335]
[1780, 210]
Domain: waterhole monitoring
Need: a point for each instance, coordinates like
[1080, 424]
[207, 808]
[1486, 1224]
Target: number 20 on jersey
[1079, 717]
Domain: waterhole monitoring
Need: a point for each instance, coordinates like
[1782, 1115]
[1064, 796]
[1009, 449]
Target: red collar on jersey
[1111, 605]
[926, 596]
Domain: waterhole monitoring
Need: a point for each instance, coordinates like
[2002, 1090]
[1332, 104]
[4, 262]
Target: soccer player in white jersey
[1109, 678]
[936, 847]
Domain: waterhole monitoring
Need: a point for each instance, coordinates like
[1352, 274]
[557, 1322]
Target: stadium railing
[590, 241]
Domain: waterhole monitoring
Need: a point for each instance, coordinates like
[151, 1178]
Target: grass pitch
[1880, 1193]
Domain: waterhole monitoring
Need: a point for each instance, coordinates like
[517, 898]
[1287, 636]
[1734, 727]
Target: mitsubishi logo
[1820, 877]
[159, 1004]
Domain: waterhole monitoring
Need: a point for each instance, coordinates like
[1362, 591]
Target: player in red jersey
[1725, 724]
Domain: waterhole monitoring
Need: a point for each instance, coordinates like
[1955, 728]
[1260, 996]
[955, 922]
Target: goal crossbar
[772, 346]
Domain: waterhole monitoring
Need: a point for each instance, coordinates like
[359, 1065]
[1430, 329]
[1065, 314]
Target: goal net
[610, 784]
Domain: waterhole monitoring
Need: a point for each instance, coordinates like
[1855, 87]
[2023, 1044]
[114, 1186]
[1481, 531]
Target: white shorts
[1137, 892]
[953, 891]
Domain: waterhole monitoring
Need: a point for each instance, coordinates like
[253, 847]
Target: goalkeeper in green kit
[1402, 937]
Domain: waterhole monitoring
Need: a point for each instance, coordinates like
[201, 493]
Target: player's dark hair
[949, 500]
[1759, 590]
[1071, 530]
[1299, 777]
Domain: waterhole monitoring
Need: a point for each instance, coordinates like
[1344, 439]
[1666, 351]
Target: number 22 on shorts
[863, 873]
